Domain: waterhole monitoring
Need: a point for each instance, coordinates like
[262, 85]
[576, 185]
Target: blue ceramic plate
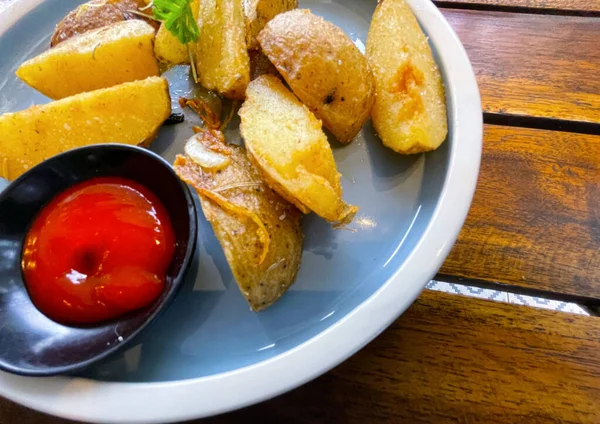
[209, 353]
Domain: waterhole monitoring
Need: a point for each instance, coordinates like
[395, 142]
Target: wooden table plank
[542, 5]
[448, 359]
[534, 65]
[452, 359]
[535, 218]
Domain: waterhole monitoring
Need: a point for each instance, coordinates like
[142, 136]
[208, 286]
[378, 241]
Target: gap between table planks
[447, 359]
[537, 66]
[581, 7]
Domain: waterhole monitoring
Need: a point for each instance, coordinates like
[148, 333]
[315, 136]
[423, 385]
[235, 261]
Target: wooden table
[534, 228]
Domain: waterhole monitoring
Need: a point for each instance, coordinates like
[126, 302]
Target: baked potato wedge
[167, 48]
[100, 58]
[221, 57]
[258, 12]
[285, 141]
[96, 14]
[259, 231]
[410, 107]
[129, 113]
[323, 68]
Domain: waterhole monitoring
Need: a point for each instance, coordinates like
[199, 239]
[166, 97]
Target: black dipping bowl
[31, 343]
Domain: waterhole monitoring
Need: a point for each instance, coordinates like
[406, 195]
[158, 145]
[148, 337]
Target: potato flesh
[258, 12]
[323, 68]
[409, 113]
[121, 52]
[129, 113]
[286, 142]
[167, 48]
[241, 184]
[221, 55]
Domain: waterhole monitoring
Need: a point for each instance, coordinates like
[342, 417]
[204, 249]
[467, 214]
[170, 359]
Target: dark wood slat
[452, 359]
[535, 218]
[534, 65]
[584, 6]
[447, 359]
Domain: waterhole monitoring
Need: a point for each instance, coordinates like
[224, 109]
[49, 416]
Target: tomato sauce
[98, 250]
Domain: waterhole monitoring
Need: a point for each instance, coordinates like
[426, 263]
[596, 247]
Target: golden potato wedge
[323, 68]
[285, 140]
[96, 14]
[121, 52]
[129, 113]
[167, 47]
[258, 12]
[410, 107]
[259, 231]
[221, 55]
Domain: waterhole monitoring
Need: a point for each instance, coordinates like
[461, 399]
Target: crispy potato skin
[240, 183]
[285, 140]
[100, 58]
[167, 47]
[260, 65]
[96, 14]
[221, 56]
[410, 108]
[323, 68]
[258, 12]
[129, 113]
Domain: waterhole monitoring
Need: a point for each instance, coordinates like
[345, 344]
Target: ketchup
[98, 250]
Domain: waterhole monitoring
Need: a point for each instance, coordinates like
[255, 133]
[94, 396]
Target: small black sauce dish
[32, 344]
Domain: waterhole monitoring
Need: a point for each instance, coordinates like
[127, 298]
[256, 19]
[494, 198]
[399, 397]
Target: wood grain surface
[449, 359]
[535, 217]
[535, 65]
[541, 5]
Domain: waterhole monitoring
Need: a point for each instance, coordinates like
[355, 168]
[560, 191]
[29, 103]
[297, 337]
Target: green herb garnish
[178, 19]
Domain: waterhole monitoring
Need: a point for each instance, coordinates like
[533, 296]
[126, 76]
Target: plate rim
[161, 402]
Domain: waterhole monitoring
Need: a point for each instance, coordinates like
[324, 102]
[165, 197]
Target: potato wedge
[129, 113]
[323, 68]
[247, 217]
[258, 12]
[285, 140]
[121, 52]
[167, 47]
[221, 55]
[410, 107]
[96, 14]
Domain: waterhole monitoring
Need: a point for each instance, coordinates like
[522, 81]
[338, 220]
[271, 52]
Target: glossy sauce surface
[98, 250]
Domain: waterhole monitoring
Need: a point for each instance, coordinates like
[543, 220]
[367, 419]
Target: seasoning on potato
[221, 55]
[258, 230]
[258, 12]
[129, 113]
[323, 68]
[410, 107]
[285, 140]
[118, 53]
